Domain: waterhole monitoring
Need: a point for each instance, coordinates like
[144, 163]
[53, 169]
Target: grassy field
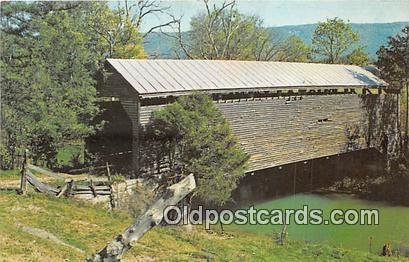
[9, 174]
[38, 228]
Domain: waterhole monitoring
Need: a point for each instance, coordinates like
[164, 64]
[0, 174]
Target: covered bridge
[281, 112]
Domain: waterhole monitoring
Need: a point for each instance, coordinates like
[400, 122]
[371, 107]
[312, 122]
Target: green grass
[77, 224]
[66, 154]
[89, 228]
[9, 174]
[14, 176]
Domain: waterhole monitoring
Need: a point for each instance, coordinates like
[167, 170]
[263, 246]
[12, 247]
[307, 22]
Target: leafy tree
[393, 63]
[331, 40]
[295, 50]
[49, 58]
[138, 11]
[358, 57]
[113, 31]
[194, 137]
[225, 33]
[47, 90]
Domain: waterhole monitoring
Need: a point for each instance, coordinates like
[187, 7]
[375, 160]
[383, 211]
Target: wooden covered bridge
[281, 112]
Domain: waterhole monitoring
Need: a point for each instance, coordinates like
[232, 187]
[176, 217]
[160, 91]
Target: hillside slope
[372, 37]
[38, 228]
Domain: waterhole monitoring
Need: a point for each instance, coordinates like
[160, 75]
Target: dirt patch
[10, 184]
[83, 224]
[141, 259]
[33, 209]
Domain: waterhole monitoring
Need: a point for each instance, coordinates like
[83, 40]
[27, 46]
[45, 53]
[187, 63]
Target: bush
[394, 188]
[192, 136]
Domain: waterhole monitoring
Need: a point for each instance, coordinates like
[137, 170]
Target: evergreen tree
[393, 63]
[194, 137]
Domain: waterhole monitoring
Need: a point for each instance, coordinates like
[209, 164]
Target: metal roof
[150, 77]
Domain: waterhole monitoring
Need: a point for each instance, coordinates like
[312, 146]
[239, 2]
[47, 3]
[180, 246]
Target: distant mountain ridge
[372, 36]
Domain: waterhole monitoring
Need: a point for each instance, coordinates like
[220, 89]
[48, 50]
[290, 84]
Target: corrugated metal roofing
[170, 76]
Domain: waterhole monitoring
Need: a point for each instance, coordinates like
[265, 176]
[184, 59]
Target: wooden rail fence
[70, 188]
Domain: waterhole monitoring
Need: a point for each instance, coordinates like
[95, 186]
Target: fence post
[23, 182]
[108, 172]
[283, 235]
[92, 186]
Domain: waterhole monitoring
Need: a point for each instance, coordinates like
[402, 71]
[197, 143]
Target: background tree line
[222, 32]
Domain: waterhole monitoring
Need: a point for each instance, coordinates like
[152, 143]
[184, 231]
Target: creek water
[393, 225]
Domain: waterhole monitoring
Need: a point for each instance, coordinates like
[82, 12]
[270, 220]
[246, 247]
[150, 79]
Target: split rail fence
[69, 187]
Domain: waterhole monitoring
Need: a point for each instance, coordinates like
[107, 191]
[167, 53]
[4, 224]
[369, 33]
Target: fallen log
[43, 188]
[122, 243]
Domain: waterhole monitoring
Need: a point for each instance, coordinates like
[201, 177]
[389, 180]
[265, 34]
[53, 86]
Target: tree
[295, 50]
[222, 32]
[331, 39]
[194, 137]
[50, 57]
[393, 63]
[139, 11]
[47, 90]
[112, 31]
[358, 57]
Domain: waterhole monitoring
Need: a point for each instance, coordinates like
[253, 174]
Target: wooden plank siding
[275, 131]
[114, 85]
[132, 108]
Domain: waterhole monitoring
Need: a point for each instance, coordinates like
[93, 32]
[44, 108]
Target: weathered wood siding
[278, 131]
[116, 86]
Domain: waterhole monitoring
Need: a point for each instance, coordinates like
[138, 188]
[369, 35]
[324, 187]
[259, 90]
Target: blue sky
[295, 12]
